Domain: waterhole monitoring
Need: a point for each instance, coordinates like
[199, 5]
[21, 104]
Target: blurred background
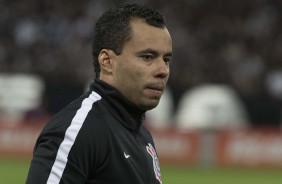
[223, 103]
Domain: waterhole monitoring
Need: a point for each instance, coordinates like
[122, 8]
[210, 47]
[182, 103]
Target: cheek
[131, 72]
[140, 75]
[134, 81]
[127, 76]
[134, 72]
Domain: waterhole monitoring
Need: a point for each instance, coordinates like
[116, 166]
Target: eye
[147, 57]
[167, 60]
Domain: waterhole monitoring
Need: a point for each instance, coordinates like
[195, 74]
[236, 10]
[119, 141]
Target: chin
[150, 106]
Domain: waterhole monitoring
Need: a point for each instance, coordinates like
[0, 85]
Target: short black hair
[112, 29]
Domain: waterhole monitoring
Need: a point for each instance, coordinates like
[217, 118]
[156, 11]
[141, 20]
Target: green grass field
[200, 175]
[15, 171]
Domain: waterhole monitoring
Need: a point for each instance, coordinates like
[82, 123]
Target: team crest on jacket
[156, 165]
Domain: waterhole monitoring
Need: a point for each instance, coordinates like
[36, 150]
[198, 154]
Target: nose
[162, 69]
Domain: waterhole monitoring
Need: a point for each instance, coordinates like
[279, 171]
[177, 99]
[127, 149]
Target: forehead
[145, 35]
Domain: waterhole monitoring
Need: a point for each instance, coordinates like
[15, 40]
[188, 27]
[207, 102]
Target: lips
[155, 89]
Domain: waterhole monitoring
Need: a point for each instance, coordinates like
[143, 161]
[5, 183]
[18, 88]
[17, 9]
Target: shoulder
[81, 114]
[80, 126]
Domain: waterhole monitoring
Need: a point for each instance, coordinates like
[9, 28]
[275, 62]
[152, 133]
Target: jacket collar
[123, 110]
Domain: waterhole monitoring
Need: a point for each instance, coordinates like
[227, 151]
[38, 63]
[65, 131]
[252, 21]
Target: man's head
[132, 49]
[113, 28]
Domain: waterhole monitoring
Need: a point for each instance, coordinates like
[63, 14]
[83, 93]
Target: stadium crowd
[236, 43]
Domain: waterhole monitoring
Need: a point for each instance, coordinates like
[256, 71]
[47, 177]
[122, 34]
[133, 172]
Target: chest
[132, 157]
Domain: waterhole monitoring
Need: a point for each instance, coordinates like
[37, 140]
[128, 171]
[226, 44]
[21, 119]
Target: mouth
[155, 89]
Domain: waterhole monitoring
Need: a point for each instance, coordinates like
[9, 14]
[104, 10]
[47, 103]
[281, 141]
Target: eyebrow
[153, 52]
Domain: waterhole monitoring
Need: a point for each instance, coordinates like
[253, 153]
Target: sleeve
[45, 152]
[69, 158]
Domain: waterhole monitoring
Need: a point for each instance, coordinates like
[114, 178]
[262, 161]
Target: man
[99, 138]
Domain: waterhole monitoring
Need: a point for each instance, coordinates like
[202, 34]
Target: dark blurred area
[234, 43]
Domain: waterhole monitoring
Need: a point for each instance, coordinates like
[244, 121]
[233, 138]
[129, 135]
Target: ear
[105, 59]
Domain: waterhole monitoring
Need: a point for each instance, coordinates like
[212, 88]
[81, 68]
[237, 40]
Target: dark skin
[141, 71]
